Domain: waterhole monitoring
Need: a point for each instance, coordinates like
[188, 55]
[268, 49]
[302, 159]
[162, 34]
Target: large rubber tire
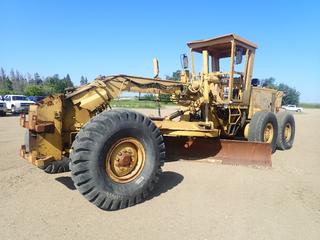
[58, 166]
[90, 149]
[257, 126]
[284, 142]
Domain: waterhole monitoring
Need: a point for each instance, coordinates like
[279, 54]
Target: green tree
[33, 90]
[67, 81]
[291, 95]
[37, 78]
[83, 80]
[3, 78]
[176, 76]
[54, 84]
[269, 83]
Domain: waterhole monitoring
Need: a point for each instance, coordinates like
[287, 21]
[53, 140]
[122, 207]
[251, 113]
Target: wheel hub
[125, 160]
[287, 132]
[268, 133]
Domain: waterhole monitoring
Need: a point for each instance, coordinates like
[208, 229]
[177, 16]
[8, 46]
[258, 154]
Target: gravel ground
[194, 200]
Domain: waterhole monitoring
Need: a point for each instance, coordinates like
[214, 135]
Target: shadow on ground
[67, 181]
[11, 115]
[167, 181]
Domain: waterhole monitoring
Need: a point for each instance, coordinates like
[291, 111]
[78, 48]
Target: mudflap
[223, 151]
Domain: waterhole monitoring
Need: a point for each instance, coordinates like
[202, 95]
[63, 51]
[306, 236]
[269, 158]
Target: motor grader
[116, 155]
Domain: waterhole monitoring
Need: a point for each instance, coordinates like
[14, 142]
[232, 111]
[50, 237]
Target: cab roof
[221, 45]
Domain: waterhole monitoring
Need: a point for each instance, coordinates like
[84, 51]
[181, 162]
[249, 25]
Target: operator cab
[227, 64]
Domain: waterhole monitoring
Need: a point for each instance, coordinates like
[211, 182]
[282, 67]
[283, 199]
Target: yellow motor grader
[115, 156]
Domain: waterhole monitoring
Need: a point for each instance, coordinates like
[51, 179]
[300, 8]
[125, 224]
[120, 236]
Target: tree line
[33, 84]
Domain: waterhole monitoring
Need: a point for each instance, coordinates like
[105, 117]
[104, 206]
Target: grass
[135, 104]
[310, 105]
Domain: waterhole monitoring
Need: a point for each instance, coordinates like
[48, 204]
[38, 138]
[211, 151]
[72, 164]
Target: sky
[94, 37]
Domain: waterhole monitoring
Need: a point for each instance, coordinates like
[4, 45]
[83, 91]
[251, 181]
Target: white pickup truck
[292, 108]
[17, 103]
[3, 108]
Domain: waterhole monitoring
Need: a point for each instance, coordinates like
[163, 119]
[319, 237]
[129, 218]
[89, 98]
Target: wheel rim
[287, 132]
[268, 133]
[125, 160]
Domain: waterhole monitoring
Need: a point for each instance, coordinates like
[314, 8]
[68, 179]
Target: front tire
[60, 166]
[117, 158]
[264, 128]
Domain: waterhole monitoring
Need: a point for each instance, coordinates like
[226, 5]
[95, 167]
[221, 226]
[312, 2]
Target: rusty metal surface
[232, 152]
[33, 159]
[35, 125]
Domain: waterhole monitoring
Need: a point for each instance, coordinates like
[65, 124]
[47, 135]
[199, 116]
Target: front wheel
[264, 128]
[117, 158]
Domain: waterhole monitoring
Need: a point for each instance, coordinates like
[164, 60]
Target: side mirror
[239, 56]
[184, 61]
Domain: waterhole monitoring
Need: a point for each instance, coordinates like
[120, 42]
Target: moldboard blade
[232, 152]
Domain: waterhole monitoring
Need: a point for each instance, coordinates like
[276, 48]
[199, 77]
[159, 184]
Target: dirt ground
[194, 200]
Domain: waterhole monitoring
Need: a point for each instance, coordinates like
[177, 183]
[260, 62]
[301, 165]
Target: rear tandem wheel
[287, 130]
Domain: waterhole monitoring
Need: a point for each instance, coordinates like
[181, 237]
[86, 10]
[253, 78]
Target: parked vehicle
[36, 98]
[292, 108]
[3, 108]
[17, 103]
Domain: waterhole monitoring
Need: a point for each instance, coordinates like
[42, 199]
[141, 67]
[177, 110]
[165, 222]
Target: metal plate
[233, 152]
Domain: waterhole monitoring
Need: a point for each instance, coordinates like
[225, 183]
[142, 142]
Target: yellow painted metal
[125, 160]
[185, 76]
[90, 100]
[287, 132]
[264, 99]
[205, 110]
[205, 76]
[49, 144]
[268, 133]
[193, 70]
[155, 68]
[181, 133]
[184, 128]
[248, 76]
[246, 130]
[233, 47]
[205, 57]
